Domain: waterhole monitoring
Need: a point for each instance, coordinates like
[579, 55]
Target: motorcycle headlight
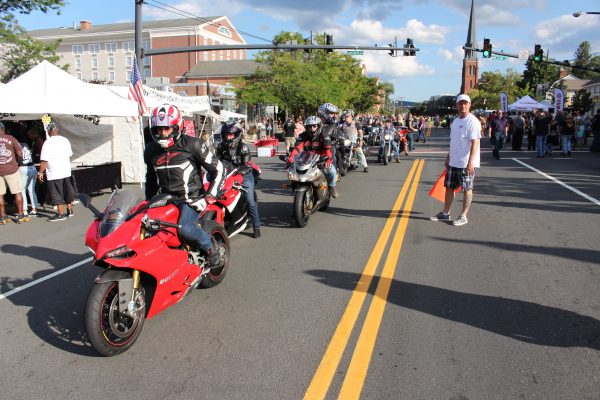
[120, 252]
[347, 142]
[386, 137]
[292, 176]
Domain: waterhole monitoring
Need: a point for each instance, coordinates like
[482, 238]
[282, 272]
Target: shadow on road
[520, 320]
[55, 313]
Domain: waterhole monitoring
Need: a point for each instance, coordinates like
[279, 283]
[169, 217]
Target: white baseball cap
[463, 97]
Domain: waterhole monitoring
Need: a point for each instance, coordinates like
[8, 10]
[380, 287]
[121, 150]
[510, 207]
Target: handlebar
[157, 224]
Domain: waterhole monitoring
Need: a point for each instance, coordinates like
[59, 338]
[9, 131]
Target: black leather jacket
[177, 169]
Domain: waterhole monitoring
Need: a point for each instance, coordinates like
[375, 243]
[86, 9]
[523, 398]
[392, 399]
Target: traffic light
[329, 42]
[538, 53]
[392, 52]
[409, 44]
[487, 48]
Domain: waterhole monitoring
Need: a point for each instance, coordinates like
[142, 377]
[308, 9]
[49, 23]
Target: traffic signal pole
[156, 52]
[561, 63]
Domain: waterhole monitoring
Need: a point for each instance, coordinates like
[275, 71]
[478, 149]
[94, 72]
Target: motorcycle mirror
[85, 199]
[160, 200]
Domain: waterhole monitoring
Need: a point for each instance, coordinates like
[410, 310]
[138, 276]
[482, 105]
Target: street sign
[495, 57]
[355, 52]
[523, 54]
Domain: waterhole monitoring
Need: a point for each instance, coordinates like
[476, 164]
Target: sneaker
[397, 160]
[214, 258]
[5, 220]
[33, 213]
[333, 191]
[256, 233]
[367, 169]
[19, 219]
[58, 217]
[440, 217]
[70, 213]
[462, 220]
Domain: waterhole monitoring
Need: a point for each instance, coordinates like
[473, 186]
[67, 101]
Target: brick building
[106, 52]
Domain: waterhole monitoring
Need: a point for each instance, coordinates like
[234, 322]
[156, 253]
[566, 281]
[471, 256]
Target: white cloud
[445, 54]
[394, 68]
[565, 33]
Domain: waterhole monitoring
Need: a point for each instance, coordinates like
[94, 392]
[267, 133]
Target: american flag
[136, 91]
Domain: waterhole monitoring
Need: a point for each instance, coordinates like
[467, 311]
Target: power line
[187, 14]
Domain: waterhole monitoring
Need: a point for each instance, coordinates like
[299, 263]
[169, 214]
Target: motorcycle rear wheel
[301, 214]
[216, 275]
[109, 331]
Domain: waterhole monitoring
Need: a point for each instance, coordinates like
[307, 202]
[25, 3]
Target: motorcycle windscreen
[120, 204]
[306, 158]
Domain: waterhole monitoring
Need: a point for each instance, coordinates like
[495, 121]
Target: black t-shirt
[288, 128]
[541, 124]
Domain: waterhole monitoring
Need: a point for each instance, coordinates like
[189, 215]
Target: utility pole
[138, 36]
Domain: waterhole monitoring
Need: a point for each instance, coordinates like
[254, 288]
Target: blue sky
[438, 28]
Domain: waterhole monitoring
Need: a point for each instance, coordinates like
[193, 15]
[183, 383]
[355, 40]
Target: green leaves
[300, 81]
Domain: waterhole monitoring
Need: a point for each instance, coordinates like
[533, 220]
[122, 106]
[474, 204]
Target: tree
[487, 94]
[20, 52]
[300, 82]
[582, 101]
[584, 58]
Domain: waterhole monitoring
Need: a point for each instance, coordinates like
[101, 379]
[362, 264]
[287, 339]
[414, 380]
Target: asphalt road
[371, 300]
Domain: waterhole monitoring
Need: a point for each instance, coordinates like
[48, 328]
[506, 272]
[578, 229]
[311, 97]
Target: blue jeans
[29, 176]
[190, 232]
[409, 139]
[540, 145]
[498, 139]
[252, 207]
[566, 143]
[395, 153]
[331, 175]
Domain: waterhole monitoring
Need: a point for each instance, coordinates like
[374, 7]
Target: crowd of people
[20, 150]
[544, 132]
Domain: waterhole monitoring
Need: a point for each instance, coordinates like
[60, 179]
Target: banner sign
[559, 100]
[504, 101]
[190, 129]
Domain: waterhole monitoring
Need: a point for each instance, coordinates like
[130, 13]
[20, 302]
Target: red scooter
[148, 268]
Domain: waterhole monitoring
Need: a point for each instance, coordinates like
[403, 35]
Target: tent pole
[141, 152]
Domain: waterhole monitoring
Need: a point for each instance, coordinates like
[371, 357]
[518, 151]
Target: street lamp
[580, 13]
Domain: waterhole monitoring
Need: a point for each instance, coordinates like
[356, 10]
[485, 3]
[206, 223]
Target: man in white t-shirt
[56, 163]
[463, 158]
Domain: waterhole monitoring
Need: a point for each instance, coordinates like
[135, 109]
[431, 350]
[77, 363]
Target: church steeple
[470, 71]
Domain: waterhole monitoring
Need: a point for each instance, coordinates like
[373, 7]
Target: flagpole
[141, 152]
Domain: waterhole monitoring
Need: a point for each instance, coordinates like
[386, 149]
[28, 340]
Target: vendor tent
[227, 115]
[526, 103]
[47, 89]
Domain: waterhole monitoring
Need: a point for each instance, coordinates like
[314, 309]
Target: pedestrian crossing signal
[487, 48]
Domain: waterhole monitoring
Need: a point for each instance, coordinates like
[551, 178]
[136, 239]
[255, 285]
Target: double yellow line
[357, 370]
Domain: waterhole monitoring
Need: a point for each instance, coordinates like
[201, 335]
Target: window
[95, 75]
[78, 63]
[241, 54]
[78, 75]
[77, 49]
[228, 53]
[147, 73]
[128, 46]
[147, 61]
[111, 47]
[129, 61]
[94, 48]
[128, 75]
[111, 61]
[111, 75]
[224, 31]
[94, 62]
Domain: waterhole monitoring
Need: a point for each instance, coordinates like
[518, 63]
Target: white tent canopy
[225, 115]
[47, 89]
[526, 103]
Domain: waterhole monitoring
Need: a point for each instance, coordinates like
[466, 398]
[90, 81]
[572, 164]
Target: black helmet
[231, 133]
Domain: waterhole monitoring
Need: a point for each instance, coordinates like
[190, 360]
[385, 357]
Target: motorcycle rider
[353, 131]
[233, 150]
[174, 163]
[318, 137]
[388, 129]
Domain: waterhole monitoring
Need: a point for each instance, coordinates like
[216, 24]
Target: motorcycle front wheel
[109, 331]
[386, 150]
[301, 212]
[218, 234]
